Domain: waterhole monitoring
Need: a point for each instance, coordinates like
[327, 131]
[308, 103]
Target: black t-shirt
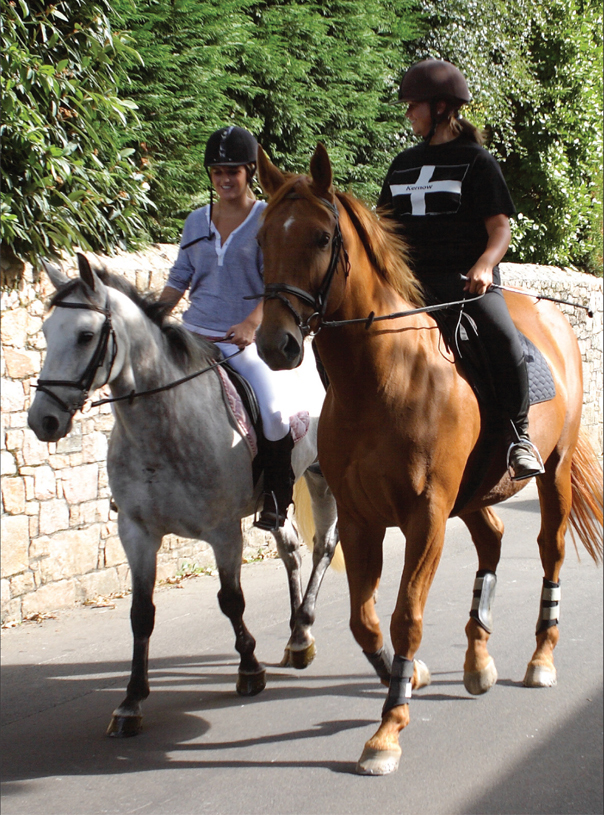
[440, 196]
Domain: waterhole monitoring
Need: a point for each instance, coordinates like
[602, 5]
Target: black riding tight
[499, 337]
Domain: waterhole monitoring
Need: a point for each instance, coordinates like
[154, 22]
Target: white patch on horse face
[288, 223]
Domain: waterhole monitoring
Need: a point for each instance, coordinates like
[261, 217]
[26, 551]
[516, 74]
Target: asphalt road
[293, 748]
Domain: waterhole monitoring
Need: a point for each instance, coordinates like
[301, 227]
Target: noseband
[84, 383]
[318, 301]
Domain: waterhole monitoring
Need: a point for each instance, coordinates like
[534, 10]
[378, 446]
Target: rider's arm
[480, 276]
[170, 295]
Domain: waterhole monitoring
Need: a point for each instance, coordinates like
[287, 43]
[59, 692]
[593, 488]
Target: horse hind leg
[141, 549]
[321, 513]
[555, 498]
[486, 529]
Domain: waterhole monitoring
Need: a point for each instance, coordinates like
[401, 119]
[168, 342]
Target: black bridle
[84, 383]
[318, 301]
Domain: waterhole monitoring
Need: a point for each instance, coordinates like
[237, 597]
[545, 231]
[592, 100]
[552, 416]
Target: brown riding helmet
[434, 79]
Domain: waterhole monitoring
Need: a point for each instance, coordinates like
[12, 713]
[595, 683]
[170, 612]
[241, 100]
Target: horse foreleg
[300, 650]
[251, 677]
[424, 542]
[288, 547]
[141, 549]
[555, 497]
[486, 529]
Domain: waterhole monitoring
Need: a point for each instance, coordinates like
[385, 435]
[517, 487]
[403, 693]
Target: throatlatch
[399, 692]
[484, 594]
[549, 614]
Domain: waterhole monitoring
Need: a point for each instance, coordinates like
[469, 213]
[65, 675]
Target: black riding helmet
[228, 147]
[433, 80]
[231, 146]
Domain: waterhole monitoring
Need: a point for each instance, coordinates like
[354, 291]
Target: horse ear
[320, 171]
[57, 277]
[271, 178]
[86, 273]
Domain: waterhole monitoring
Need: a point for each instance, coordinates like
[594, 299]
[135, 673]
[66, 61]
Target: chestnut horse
[402, 436]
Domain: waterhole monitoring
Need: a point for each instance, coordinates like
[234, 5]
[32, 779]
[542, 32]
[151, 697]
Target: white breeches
[267, 385]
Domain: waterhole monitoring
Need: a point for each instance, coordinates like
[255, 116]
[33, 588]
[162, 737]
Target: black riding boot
[278, 483]
[523, 458]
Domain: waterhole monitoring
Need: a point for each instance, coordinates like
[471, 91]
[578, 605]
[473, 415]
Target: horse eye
[85, 337]
[323, 240]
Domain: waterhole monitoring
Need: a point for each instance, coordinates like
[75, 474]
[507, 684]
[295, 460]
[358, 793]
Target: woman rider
[220, 264]
[451, 201]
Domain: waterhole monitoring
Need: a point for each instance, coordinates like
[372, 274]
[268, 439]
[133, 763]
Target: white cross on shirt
[424, 185]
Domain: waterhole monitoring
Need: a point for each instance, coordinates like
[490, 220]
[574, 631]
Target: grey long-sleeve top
[219, 277]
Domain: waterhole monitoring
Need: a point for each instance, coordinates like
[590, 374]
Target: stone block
[12, 398]
[8, 465]
[80, 483]
[34, 526]
[72, 443]
[22, 584]
[69, 553]
[54, 516]
[50, 597]
[13, 328]
[13, 495]
[11, 611]
[94, 512]
[45, 483]
[14, 545]
[20, 364]
[34, 451]
[114, 551]
[98, 584]
[94, 447]
[14, 439]
[5, 592]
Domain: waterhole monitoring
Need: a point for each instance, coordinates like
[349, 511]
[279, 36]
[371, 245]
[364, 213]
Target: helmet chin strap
[434, 119]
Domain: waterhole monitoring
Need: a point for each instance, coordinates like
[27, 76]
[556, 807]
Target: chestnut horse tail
[586, 512]
[305, 523]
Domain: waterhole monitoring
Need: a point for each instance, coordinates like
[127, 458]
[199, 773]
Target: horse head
[78, 336]
[304, 262]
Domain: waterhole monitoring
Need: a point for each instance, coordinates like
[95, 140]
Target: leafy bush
[292, 71]
[68, 178]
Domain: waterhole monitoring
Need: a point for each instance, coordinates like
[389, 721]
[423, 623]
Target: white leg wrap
[484, 594]
[549, 613]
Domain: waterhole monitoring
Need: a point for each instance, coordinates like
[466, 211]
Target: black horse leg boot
[278, 483]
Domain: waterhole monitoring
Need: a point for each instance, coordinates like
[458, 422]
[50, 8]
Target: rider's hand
[480, 278]
[241, 334]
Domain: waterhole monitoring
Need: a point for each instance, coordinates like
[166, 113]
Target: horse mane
[183, 346]
[386, 249]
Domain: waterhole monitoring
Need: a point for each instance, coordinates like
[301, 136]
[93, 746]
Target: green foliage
[294, 72]
[68, 178]
[535, 71]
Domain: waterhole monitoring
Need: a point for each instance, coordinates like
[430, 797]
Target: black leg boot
[523, 458]
[278, 483]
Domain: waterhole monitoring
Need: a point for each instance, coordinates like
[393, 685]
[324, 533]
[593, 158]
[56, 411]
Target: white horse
[176, 463]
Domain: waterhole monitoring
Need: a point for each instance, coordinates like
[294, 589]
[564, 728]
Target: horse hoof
[478, 682]
[422, 675]
[121, 727]
[378, 762]
[539, 676]
[299, 659]
[251, 684]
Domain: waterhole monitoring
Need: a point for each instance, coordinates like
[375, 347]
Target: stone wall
[59, 537]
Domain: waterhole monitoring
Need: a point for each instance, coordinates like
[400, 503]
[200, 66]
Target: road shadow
[561, 777]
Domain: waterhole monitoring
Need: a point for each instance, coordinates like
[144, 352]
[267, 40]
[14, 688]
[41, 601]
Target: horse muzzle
[281, 348]
[47, 420]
